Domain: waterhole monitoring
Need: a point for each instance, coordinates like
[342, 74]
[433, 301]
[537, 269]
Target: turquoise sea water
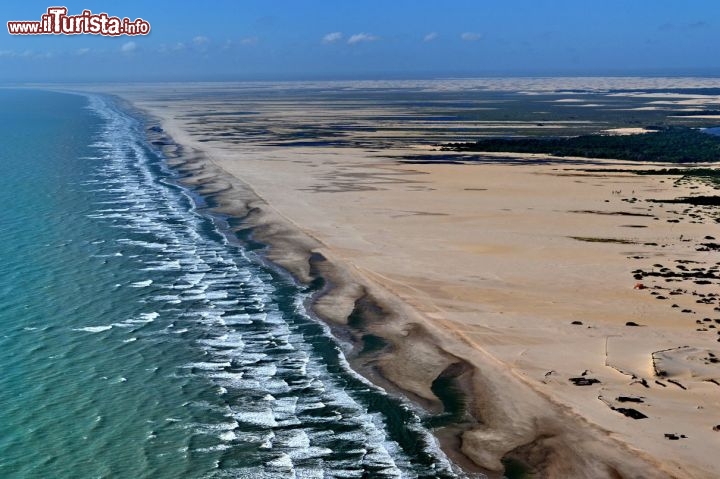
[136, 341]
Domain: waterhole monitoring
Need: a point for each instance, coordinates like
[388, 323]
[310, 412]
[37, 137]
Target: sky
[343, 39]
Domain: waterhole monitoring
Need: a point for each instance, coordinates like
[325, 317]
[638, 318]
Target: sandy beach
[577, 311]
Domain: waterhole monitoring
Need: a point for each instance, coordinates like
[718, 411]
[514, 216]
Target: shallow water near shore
[137, 341]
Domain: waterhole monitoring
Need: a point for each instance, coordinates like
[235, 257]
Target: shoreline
[300, 259]
[312, 268]
[509, 415]
[321, 278]
[204, 188]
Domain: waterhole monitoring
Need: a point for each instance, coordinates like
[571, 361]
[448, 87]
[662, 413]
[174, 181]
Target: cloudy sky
[295, 39]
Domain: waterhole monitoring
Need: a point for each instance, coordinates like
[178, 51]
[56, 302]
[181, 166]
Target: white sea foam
[94, 329]
[267, 442]
[168, 298]
[216, 295]
[141, 284]
[237, 319]
[295, 439]
[164, 266]
[144, 244]
[209, 366]
[309, 452]
[266, 370]
[282, 462]
[231, 344]
[219, 447]
[262, 417]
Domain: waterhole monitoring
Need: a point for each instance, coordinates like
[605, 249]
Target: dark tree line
[670, 144]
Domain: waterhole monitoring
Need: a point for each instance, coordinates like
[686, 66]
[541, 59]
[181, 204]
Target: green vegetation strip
[673, 144]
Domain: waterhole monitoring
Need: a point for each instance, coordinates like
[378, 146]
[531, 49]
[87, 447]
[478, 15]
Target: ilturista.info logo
[57, 22]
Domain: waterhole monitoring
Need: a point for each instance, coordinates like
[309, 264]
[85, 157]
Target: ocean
[138, 341]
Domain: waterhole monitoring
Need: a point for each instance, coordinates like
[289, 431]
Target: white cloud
[430, 37]
[201, 40]
[471, 36]
[249, 41]
[82, 51]
[361, 37]
[332, 37]
[128, 47]
[31, 54]
[178, 46]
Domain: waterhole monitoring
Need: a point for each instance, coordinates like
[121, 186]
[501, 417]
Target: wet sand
[577, 313]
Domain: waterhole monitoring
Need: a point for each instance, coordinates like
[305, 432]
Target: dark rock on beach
[584, 381]
[630, 412]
